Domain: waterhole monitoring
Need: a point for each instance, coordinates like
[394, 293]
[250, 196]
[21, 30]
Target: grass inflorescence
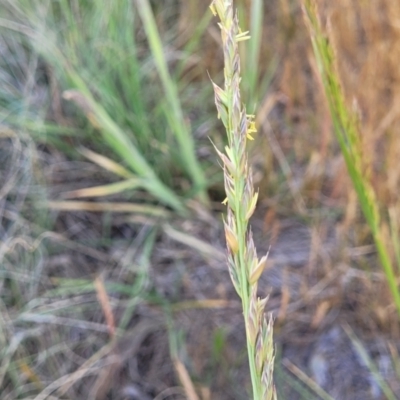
[101, 279]
[244, 266]
[347, 131]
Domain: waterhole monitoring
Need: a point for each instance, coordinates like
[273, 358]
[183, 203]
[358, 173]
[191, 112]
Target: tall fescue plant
[244, 266]
[346, 129]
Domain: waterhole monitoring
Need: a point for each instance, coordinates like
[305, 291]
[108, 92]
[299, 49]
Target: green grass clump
[244, 267]
[98, 55]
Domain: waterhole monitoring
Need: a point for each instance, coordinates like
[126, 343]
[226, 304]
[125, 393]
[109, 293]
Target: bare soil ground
[185, 300]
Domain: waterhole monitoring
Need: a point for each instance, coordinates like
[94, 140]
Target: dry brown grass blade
[30, 374]
[307, 380]
[204, 304]
[124, 348]
[131, 341]
[103, 383]
[185, 379]
[84, 104]
[104, 190]
[320, 313]
[104, 301]
[106, 163]
[67, 381]
[285, 300]
[267, 105]
[111, 207]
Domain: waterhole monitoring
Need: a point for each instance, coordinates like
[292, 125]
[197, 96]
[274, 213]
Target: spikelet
[244, 266]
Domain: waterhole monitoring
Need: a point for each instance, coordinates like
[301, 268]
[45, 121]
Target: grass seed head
[244, 267]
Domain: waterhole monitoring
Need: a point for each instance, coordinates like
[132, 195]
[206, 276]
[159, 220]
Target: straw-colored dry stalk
[244, 267]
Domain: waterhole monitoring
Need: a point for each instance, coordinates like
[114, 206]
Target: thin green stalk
[241, 229]
[346, 131]
[363, 354]
[394, 229]
[175, 117]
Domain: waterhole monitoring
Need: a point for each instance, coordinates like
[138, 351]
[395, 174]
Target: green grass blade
[142, 278]
[252, 71]
[174, 114]
[117, 139]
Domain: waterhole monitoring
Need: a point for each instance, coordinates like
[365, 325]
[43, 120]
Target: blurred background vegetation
[112, 258]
